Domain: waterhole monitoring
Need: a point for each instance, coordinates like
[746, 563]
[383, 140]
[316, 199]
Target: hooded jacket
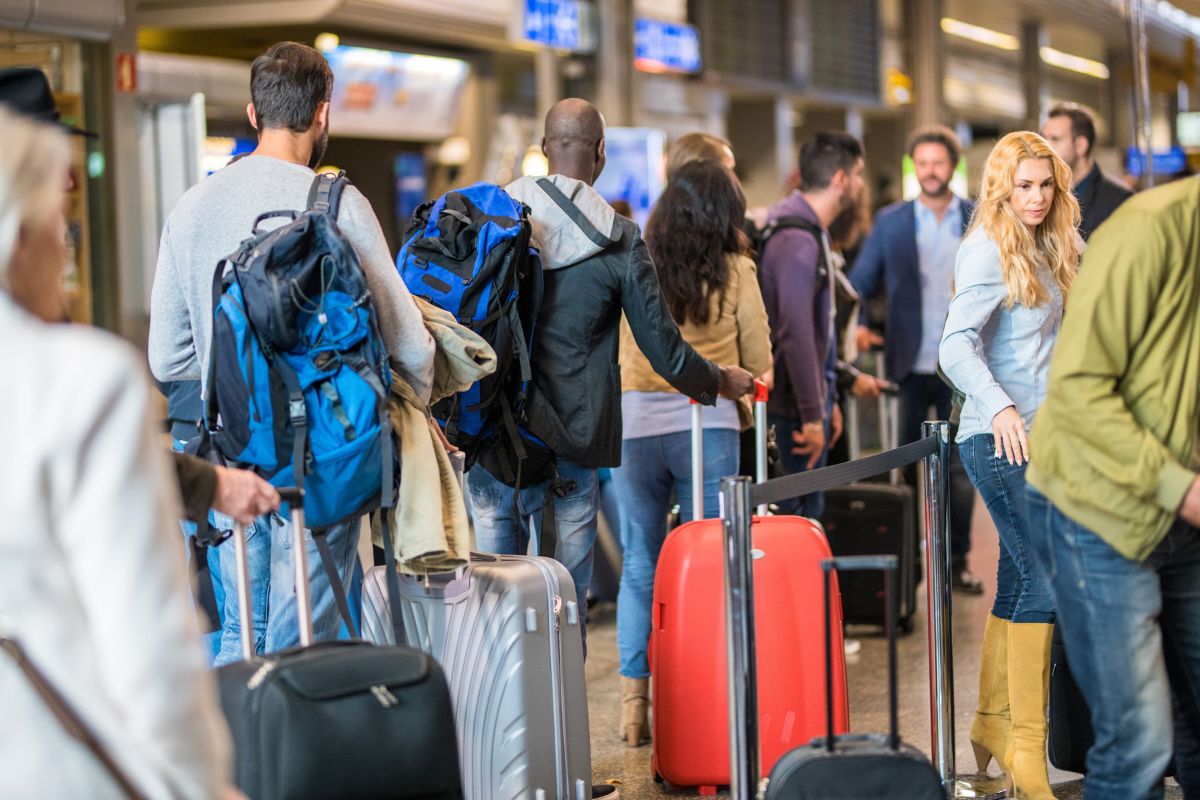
[596, 267]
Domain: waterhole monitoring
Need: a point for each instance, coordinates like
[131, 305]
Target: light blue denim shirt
[997, 356]
[937, 248]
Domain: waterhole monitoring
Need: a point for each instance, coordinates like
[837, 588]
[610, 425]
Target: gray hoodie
[596, 267]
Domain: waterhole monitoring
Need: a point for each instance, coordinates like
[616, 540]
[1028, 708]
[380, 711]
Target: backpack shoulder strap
[796, 222]
[325, 194]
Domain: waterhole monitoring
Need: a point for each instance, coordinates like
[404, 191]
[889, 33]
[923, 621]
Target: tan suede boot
[989, 730]
[1028, 692]
[635, 708]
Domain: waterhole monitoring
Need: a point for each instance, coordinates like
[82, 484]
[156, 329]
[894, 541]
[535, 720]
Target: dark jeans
[1132, 633]
[811, 505]
[1022, 591]
[917, 394]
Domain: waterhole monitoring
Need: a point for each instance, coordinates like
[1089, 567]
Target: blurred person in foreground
[702, 258]
[92, 582]
[1012, 275]
[1113, 495]
[240, 494]
[1071, 131]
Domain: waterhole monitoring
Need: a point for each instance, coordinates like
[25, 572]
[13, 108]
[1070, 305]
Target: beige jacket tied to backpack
[430, 527]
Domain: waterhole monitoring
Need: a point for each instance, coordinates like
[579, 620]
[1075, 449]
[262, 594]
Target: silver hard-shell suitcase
[506, 631]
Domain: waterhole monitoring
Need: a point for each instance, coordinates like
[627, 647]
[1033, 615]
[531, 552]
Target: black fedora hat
[26, 91]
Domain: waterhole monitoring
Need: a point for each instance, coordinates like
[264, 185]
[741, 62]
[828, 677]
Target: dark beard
[318, 150]
[943, 189]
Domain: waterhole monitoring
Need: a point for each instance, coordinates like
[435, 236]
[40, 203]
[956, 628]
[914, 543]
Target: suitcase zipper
[260, 675]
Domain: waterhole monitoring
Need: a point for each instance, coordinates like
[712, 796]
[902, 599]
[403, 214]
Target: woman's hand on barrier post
[1008, 429]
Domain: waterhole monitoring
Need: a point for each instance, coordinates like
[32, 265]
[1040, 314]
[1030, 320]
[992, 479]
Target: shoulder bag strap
[72, 723]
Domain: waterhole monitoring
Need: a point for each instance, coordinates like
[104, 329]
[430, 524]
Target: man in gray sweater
[290, 87]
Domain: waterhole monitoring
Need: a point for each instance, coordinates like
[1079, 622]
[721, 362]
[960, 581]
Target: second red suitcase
[689, 692]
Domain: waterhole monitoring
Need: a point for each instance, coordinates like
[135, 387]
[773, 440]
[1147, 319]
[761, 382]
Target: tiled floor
[613, 762]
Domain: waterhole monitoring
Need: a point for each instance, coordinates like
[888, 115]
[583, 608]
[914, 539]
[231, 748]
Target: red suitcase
[689, 692]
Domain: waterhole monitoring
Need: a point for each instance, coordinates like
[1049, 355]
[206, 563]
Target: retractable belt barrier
[739, 498]
[819, 480]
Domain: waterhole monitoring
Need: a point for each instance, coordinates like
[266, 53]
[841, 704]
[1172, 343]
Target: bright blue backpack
[298, 373]
[469, 252]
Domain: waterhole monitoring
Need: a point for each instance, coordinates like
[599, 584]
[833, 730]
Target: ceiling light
[1085, 66]
[965, 30]
[326, 42]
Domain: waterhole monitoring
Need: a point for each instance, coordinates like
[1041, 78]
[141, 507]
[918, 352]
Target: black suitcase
[874, 519]
[1070, 730]
[857, 766]
[341, 719]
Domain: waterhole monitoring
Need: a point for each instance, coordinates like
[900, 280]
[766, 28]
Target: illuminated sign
[665, 46]
[381, 94]
[554, 23]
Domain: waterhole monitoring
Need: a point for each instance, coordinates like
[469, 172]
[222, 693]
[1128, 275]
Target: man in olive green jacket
[1114, 498]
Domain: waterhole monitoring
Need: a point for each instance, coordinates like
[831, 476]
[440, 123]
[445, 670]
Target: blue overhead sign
[553, 23]
[665, 46]
[1166, 162]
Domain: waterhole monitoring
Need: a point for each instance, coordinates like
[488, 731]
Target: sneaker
[853, 646]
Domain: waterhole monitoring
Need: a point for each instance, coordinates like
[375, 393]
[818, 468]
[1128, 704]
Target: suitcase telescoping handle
[294, 498]
[760, 449]
[889, 565]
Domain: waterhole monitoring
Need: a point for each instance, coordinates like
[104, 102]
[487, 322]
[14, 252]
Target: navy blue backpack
[298, 373]
[469, 252]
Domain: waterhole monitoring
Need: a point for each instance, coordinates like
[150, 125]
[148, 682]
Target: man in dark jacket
[1071, 131]
[596, 267]
[910, 255]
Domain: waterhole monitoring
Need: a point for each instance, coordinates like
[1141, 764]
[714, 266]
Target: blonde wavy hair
[33, 164]
[1055, 241]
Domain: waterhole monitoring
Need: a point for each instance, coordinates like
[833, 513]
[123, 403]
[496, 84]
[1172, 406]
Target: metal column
[744, 749]
[935, 480]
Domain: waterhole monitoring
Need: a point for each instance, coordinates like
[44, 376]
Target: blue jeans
[650, 468]
[273, 589]
[1022, 591]
[499, 529]
[1132, 633]
[811, 505]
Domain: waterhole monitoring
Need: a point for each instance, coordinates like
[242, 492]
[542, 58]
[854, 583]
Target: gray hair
[33, 171]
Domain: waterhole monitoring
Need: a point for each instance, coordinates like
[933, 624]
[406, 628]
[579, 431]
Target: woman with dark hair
[708, 280]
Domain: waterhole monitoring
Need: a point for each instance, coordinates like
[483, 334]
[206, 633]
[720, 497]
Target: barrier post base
[978, 787]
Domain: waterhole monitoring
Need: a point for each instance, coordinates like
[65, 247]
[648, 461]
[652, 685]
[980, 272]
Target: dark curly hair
[694, 228]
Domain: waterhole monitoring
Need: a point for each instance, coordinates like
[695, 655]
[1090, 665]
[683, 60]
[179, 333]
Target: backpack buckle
[296, 410]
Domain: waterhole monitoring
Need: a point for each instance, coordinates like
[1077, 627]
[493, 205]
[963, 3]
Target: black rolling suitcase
[1070, 727]
[865, 765]
[873, 519]
[336, 720]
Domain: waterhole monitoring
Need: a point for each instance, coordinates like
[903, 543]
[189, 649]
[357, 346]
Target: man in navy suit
[912, 250]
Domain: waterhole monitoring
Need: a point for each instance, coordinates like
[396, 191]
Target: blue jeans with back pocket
[1022, 591]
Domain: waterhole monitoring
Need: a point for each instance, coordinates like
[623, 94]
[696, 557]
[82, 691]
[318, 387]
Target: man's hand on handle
[867, 339]
[243, 495]
[735, 382]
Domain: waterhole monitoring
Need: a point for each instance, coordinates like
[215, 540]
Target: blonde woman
[1012, 276]
[92, 583]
